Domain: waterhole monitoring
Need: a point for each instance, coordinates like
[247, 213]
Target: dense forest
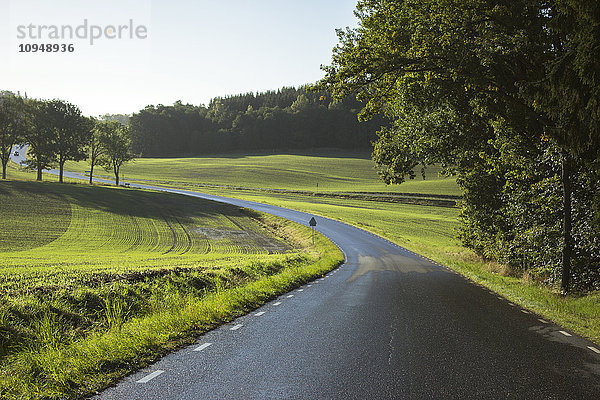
[289, 118]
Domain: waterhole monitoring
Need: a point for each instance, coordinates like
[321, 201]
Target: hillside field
[331, 171]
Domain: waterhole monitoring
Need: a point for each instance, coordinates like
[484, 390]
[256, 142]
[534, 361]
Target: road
[387, 324]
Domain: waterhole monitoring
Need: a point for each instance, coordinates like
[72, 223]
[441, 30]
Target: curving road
[387, 324]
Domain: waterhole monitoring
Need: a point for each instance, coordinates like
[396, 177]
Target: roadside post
[313, 223]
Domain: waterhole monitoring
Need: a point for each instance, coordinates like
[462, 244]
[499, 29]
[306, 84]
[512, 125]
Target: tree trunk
[567, 249]
[60, 172]
[116, 168]
[92, 173]
[39, 172]
[4, 169]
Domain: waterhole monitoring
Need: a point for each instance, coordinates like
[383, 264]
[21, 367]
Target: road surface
[387, 324]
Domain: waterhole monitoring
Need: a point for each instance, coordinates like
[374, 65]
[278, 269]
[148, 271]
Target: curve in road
[387, 324]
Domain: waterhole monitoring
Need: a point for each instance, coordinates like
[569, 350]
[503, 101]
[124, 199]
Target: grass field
[97, 281]
[333, 172]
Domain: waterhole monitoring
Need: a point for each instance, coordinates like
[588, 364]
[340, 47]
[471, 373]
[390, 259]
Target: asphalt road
[387, 324]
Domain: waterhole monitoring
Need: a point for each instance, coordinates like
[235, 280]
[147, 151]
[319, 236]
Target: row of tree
[56, 132]
[289, 118]
[505, 94]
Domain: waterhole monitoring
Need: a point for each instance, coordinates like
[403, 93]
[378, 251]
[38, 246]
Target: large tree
[116, 142]
[493, 67]
[13, 122]
[41, 137]
[72, 133]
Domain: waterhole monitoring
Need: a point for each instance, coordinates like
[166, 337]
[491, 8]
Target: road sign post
[313, 223]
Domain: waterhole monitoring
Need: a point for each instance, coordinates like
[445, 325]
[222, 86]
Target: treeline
[506, 96]
[289, 118]
[55, 132]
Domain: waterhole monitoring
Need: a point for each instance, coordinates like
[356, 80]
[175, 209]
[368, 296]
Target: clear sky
[168, 50]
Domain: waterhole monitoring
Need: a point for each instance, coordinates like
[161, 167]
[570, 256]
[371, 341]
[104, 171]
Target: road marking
[512, 304]
[148, 378]
[258, 314]
[542, 321]
[565, 333]
[301, 290]
[595, 350]
[202, 347]
[290, 296]
[308, 285]
[525, 312]
[276, 304]
[236, 327]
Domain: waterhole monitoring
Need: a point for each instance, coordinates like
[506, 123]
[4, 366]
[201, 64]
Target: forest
[285, 119]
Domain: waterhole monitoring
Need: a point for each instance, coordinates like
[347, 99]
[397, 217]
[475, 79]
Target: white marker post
[313, 223]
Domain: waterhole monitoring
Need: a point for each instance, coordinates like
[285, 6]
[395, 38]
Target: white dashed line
[202, 347]
[236, 327]
[512, 304]
[565, 333]
[308, 285]
[289, 297]
[148, 378]
[277, 303]
[301, 290]
[542, 321]
[525, 312]
[258, 314]
[595, 350]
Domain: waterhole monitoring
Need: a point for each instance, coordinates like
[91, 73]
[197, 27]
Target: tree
[41, 137]
[517, 66]
[72, 132]
[95, 149]
[13, 121]
[114, 139]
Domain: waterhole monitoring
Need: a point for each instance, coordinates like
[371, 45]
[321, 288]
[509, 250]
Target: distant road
[387, 324]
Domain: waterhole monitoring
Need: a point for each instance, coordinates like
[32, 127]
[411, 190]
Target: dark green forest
[286, 119]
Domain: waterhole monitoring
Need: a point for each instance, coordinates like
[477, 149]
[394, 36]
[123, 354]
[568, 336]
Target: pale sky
[186, 50]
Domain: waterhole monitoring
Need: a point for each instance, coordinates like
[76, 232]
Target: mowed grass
[74, 230]
[96, 282]
[323, 172]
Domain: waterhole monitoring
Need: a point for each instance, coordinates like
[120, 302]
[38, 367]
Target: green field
[97, 281]
[333, 172]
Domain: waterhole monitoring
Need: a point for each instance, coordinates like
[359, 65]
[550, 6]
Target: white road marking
[308, 285]
[542, 321]
[258, 314]
[276, 304]
[202, 347]
[236, 327]
[565, 333]
[148, 378]
[512, 304]
[525, 312]
[290, 296]
[301, 290]
[595, 350]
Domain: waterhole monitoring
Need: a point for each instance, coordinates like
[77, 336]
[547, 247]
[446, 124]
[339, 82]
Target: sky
[128, 54]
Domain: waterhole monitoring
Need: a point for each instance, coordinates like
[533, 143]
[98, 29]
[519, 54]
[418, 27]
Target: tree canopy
[501, 93]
